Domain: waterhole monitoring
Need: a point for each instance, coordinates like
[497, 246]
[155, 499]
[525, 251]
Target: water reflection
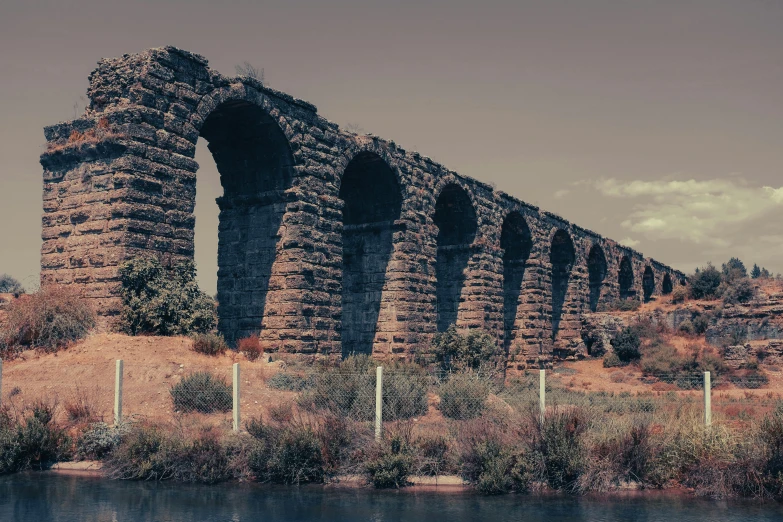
[46, 496]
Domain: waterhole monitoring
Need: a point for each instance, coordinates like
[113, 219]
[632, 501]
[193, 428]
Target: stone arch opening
[596, 271]
[625, 278]
[255, 164]
[561, 256]
[648, 283]
[372, 203]
[516, 242]
[666, 284]
[456, 220]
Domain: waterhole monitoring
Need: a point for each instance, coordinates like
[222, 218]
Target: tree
[705, 282]
[10, 285]
[765, 273]
[251, 71]
[734, 269]
[756, 272]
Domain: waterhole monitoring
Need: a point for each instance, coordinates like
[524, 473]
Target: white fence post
[118, 373]
[707, 399]
[542, 394]
[378, 401]
[236, 397]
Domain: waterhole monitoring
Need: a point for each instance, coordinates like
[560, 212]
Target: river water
[48, 496]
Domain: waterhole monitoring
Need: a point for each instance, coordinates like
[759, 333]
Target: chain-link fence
[224, 396]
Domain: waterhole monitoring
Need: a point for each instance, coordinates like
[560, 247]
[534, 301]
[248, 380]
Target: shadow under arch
[561, 256]
[456, 220]
[666, 284]
[648, 283]
[255, 163]
[516, 242]
[372, 203]
[625, 279]
[596, 272]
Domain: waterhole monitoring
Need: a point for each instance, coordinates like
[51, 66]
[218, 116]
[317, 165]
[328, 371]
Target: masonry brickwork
[329, 242]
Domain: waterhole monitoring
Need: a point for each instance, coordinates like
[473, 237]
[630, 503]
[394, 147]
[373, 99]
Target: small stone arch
[562, 256]
[625, 278]
[372, 203]
[666, 284]
[455, 217]
[516, 242]
[648, 283]
[596, 271]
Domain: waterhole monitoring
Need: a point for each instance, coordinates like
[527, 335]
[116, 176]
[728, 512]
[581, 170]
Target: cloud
[627, 241]
[560, 194]
[705, 212]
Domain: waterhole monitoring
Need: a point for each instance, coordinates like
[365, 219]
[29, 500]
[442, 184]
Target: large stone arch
[256, 167]
[596, 273]
[457, 223]
[516, 242]
[372, 203]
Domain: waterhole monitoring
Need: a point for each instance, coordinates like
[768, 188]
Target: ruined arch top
[300, 206]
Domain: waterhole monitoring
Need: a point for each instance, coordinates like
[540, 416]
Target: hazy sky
[659, 123]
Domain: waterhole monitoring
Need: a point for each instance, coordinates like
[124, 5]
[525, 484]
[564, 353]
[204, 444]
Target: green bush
[164, 301]
[559, 447]
[738, 291]
[704, 282]
[9, 285]
[491, 458]
[686, 327]
[389, 465]
[287, 455]
[626, 344]
[99, 440]
[612, 361]
[455, 351]
[289, 382]
[49, 320]
[202, 392]
[33, 441]
[434, 454]
[349, 390]
[209, 344]
[700, 323]
[463, 396]
[680, 294]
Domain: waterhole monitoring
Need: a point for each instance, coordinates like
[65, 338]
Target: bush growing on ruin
[209, 344]
[163, 301]
[463, 396]
[700, 323]
[251, 347]
[202, 392]
[738, 291]
[686, 327]
[455, 351]
[50, 319]
[626, 344]
[611, 360]
[704, 282]
[9, 285]
[679, 294]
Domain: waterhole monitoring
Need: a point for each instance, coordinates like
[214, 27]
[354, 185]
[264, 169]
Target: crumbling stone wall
[329, 242]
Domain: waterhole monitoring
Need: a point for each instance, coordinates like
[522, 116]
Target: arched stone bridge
[329, 242]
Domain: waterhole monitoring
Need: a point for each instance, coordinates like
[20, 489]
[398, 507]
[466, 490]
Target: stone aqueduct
[329, 242]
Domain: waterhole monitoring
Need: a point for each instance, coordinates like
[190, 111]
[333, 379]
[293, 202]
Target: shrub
[251, 347]
[626, 344]
[733, 269]
[433, 453]
[99, 440]
[679, 294]
[704, 282]
[202, 392]
[558, 444]
[389, 465]
[163, 301]
[289, 382]
[80, 407]
[209, 344]
[31, 442]
[738, 291]
[289, 455]
[700, 324]
[456, 352]
[50, 319]
[9, 285]
[463, 396]
[144, 454]
[349, 390]
[686, 327]
[612, 361]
